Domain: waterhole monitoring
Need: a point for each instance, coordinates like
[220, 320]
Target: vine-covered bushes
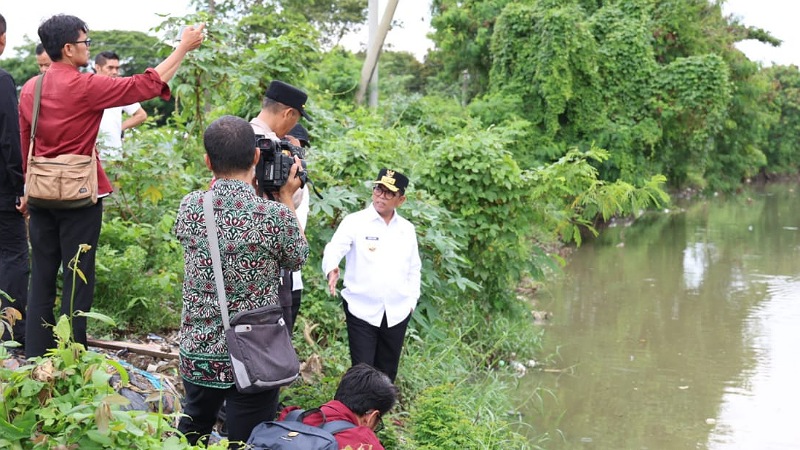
[658, 84]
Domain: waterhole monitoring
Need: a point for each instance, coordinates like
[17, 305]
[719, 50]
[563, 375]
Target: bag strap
[337, 426]
[37, 100]
[331, 427]
[213, 245]
[298, 415]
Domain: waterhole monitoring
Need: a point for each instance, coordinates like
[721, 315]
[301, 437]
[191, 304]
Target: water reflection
[762, 411]
[678, 333]
[696, 257]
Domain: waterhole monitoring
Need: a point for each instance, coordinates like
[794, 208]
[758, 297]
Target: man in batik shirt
[256, 237]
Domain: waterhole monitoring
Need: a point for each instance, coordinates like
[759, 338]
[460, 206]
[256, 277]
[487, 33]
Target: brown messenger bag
[61, 182]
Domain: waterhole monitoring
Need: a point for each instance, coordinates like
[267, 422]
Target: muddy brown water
[681, 331]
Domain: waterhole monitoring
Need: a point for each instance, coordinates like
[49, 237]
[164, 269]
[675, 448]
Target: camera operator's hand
[292, 184]
[293, 140]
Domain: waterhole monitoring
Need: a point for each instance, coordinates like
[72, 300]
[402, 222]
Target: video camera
[275, 162]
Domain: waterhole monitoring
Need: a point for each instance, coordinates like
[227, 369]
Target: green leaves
[65, 400]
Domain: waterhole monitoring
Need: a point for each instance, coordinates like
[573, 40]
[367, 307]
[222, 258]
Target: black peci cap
[392, 180]
[288, 95]
[301, 134]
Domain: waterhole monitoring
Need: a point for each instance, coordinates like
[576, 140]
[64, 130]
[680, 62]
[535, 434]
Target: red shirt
[72, 106]
[358, 438]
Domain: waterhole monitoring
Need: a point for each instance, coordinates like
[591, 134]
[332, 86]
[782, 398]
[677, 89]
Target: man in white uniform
[382, 274]
[112, 126]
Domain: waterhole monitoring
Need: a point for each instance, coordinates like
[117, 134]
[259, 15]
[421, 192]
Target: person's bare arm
[190, 39]
[135, 119]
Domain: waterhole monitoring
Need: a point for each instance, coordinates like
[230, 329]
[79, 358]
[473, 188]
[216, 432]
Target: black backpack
[291, 433]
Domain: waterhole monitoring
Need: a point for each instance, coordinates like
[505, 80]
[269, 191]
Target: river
[681, 331]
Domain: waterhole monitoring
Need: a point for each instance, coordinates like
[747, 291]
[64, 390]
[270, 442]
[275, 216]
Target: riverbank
[456, 385]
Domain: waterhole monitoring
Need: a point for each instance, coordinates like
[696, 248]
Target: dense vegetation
[530, 123]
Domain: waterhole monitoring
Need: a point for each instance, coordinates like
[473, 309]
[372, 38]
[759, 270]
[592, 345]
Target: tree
[332, 18]
[23, 66]
[694, 95]
[462, 33]
[137, 52]
[781, 149]
[547, 56]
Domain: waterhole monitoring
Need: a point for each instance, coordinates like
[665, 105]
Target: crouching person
[364, 395]
[256, 238]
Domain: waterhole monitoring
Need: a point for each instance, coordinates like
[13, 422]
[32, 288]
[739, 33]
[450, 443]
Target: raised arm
[190, 39]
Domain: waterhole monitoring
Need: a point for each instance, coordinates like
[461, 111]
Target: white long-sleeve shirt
[382, 268]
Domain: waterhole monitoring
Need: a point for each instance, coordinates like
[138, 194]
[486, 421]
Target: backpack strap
[331, 427]
[298, 415]
[336, 426]
[295, 415]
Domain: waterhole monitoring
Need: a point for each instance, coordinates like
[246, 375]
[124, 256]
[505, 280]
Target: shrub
[445, 417]
[65, 400]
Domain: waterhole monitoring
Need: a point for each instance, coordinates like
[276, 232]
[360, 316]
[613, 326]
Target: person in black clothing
[292, 290]
[14, 267]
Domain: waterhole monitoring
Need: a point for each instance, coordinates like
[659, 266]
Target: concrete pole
[373, 50]
[373, 31]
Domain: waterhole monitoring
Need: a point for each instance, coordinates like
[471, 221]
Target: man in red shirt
[72, 105]
[364, 395]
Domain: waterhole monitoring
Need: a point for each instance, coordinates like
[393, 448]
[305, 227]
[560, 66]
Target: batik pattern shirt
[256, 237]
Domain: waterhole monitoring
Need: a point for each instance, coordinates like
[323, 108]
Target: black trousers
[56, 235]
[289, 300]
[380, 347]
[243, 411]
[14, 269]
[297, 296]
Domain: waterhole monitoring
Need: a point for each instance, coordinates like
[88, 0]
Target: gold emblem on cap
[388, 178]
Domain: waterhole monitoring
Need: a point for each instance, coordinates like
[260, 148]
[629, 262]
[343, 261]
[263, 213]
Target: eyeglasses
[87, 41]
[379, 190]
[379, 425]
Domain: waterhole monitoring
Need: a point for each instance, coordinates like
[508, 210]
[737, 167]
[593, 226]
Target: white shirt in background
[110, 135]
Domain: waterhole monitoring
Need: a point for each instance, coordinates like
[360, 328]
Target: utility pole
[373, 32]
[374, 50]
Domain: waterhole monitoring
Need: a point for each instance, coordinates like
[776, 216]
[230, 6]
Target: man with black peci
[281, 108]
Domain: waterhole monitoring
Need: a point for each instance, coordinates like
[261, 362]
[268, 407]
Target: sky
[779, 17]
[23, 18]
[141, 15]
[776, 16]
